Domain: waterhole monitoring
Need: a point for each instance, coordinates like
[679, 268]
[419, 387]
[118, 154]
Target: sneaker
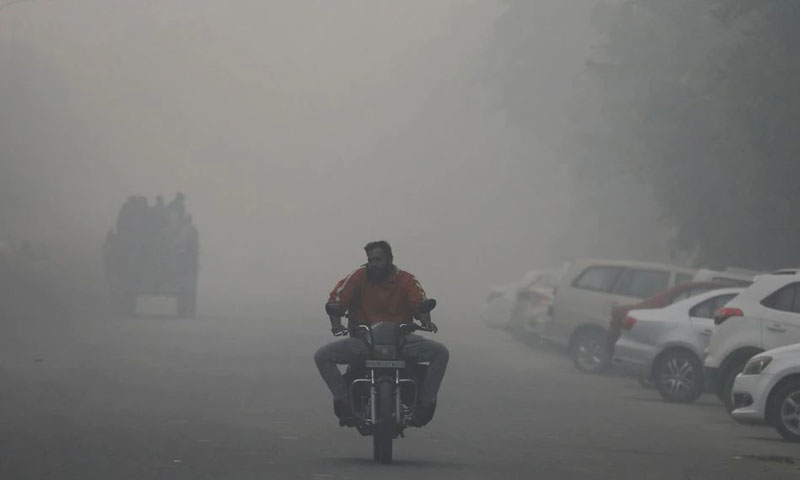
[342, 408]
[423, 414]
[344, 411]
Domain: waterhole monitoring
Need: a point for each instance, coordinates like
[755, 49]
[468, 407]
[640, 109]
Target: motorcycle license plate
[386, 364]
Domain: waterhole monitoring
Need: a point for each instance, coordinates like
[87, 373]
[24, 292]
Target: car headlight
[756, 365]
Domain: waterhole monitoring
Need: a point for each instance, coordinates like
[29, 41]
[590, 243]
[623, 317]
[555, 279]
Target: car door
[780, 322]
[584, 300]
[702, 316]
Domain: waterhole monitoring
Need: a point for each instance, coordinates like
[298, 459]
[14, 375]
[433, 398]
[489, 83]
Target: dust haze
[298, 130]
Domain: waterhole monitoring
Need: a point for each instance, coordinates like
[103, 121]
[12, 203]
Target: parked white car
[499, 305]
[504, 302]
[768, 390]
[586, 295]
[532, 306]
[765, 316]
[667, 344]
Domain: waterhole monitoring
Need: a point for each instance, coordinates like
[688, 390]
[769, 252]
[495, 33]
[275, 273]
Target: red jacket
[393, 300]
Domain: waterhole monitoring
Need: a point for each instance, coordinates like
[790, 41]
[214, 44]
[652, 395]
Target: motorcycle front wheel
[383, 434]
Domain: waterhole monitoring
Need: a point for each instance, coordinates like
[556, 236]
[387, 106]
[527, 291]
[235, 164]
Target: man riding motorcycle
[378, 292]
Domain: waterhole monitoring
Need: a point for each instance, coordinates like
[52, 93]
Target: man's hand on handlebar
[429, 326]
[337, 329]
[423, 317]
[335, 313]
[425, 321]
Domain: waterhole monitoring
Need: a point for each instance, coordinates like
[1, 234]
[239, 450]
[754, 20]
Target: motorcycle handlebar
[413, 327]
[409, 327]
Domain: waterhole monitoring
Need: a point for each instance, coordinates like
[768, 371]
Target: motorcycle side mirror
[334, 309]
[426, 305]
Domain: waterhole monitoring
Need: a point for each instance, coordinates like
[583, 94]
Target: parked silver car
[667, 344]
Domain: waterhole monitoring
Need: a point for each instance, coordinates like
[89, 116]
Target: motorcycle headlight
[756, 365]
[384, 352]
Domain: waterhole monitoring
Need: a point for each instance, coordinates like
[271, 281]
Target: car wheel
[784, 410]
[727, 385]
[678, 376]
[590, 352]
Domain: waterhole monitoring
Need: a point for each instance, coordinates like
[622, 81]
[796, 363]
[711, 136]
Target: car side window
[600, 279]
[707, 308]
[704, 309]
[723, 300]
[783, 299]
[642, 283]
[682, 278]
[796, 306]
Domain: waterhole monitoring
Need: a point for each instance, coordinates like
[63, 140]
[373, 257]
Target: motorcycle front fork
[400, 414]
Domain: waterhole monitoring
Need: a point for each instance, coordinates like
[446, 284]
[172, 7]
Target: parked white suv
[765, 316]
[581, 309]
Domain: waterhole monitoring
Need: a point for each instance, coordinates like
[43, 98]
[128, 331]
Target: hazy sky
[298, 130]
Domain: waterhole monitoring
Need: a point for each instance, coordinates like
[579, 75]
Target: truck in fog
[152, 251]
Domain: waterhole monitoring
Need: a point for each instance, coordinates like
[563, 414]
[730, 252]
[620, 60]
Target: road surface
[239, 398]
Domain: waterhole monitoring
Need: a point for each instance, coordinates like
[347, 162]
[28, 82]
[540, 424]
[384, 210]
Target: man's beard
[376, 275]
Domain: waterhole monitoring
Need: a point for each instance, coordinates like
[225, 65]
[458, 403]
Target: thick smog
[445, 239]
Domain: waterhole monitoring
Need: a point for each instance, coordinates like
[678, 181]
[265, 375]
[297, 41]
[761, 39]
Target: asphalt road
[239, 398]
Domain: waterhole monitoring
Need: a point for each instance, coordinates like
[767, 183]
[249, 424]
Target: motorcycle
[384, 388]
